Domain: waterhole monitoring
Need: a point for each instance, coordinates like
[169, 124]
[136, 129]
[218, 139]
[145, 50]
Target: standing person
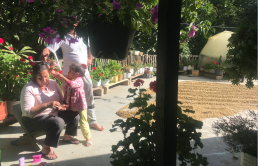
[76, 52]
[75, 97]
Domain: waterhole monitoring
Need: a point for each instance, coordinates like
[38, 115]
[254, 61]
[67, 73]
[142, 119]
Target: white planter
[138, 72]
[212, 71]
[151, 69]
[248, 160]
[136, 52]
[125, 75]
[154, 69]
[129, 75]
[105, 82]
[132, 71]
[141, 70]
[185, 68]
[189, 67]
[96, 83]
[201, 69]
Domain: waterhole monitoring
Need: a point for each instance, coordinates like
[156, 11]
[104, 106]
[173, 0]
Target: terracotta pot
[3, 110]
[195, 72]
[120, 77]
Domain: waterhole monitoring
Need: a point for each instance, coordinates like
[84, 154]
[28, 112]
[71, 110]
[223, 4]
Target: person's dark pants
[53, 125]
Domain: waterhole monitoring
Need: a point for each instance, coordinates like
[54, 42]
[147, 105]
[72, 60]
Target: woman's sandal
[70, 141]
[88, 142]
[45, 156]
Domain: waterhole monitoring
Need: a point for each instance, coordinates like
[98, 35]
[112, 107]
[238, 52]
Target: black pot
[109, 41]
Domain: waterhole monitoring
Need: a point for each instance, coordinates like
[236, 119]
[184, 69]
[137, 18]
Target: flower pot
[115, 78]
[212, 71]
[125, 75]
[110, 41]
[3, 110]
[136, 52]
[219, 72]
[10, 104]
[185, 68]
[141, 70]
[151, 69]
[120, 77]
[206, 70]
[201, 69]
[189, 67]
[96, 83]
[155, 69]
[132, 71]
[105, 82]
[195, 72]
[128, 75]
[247, 160]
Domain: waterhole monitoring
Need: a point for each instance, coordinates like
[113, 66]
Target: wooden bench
[29, 136]
[182, 72]
[135, 76]
[123, 82]
[98, 91]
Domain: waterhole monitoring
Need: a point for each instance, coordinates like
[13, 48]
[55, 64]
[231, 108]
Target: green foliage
[97, 71]
[13, 75]
[241, 59]
[139, 145]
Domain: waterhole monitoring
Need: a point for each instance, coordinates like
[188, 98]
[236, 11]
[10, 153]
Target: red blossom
[32, 63]
[138, 82]
[16, 76]
[208, 58]
[101, 75]
[153, 86]
[116, 69]
[29, 72]
[60, 71]
[1, 40]
[90, 76]
[214, 62]
[30, 57]
[94, 68]
[22, 60]
[11, 48]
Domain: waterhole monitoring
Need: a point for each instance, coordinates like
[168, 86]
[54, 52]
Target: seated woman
[43, 110]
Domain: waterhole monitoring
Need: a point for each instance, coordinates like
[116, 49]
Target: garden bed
[208, 100]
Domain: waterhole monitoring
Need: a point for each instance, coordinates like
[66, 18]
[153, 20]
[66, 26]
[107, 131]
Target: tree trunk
[167, 80]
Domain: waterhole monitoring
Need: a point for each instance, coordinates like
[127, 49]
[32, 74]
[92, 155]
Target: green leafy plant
[126, 69]
[239, 134]
[149, 65]
[139, 145]
[152, 73]
[210, 65]
[15, 73]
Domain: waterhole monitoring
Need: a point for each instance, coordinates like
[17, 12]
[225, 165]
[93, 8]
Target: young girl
[75, 97]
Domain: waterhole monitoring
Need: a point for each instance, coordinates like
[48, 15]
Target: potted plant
[185, 62]
[107, 75]
[16, 69]
[110, 27]
[240, 135]
[211, 66]
[152, 74]
[126, 72]
[96, 74]
[132, 70]
[219, 69]
[150, 67]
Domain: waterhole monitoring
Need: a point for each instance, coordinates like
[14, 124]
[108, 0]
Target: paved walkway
[99, 153]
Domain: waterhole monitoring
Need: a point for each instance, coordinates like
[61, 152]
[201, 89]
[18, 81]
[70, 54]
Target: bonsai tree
[239, 134]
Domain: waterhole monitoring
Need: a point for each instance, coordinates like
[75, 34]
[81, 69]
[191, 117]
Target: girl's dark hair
[37, 68]
[77, 67]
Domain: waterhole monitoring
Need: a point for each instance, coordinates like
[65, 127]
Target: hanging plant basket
[109, 41]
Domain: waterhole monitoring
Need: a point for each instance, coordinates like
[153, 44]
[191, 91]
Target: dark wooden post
[167, 81]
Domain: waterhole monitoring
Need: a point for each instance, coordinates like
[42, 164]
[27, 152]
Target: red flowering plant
[97, 72]
[139, 146]
[15, 72]
[210, 64]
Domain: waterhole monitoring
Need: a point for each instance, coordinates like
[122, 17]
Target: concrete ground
[99, 153]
